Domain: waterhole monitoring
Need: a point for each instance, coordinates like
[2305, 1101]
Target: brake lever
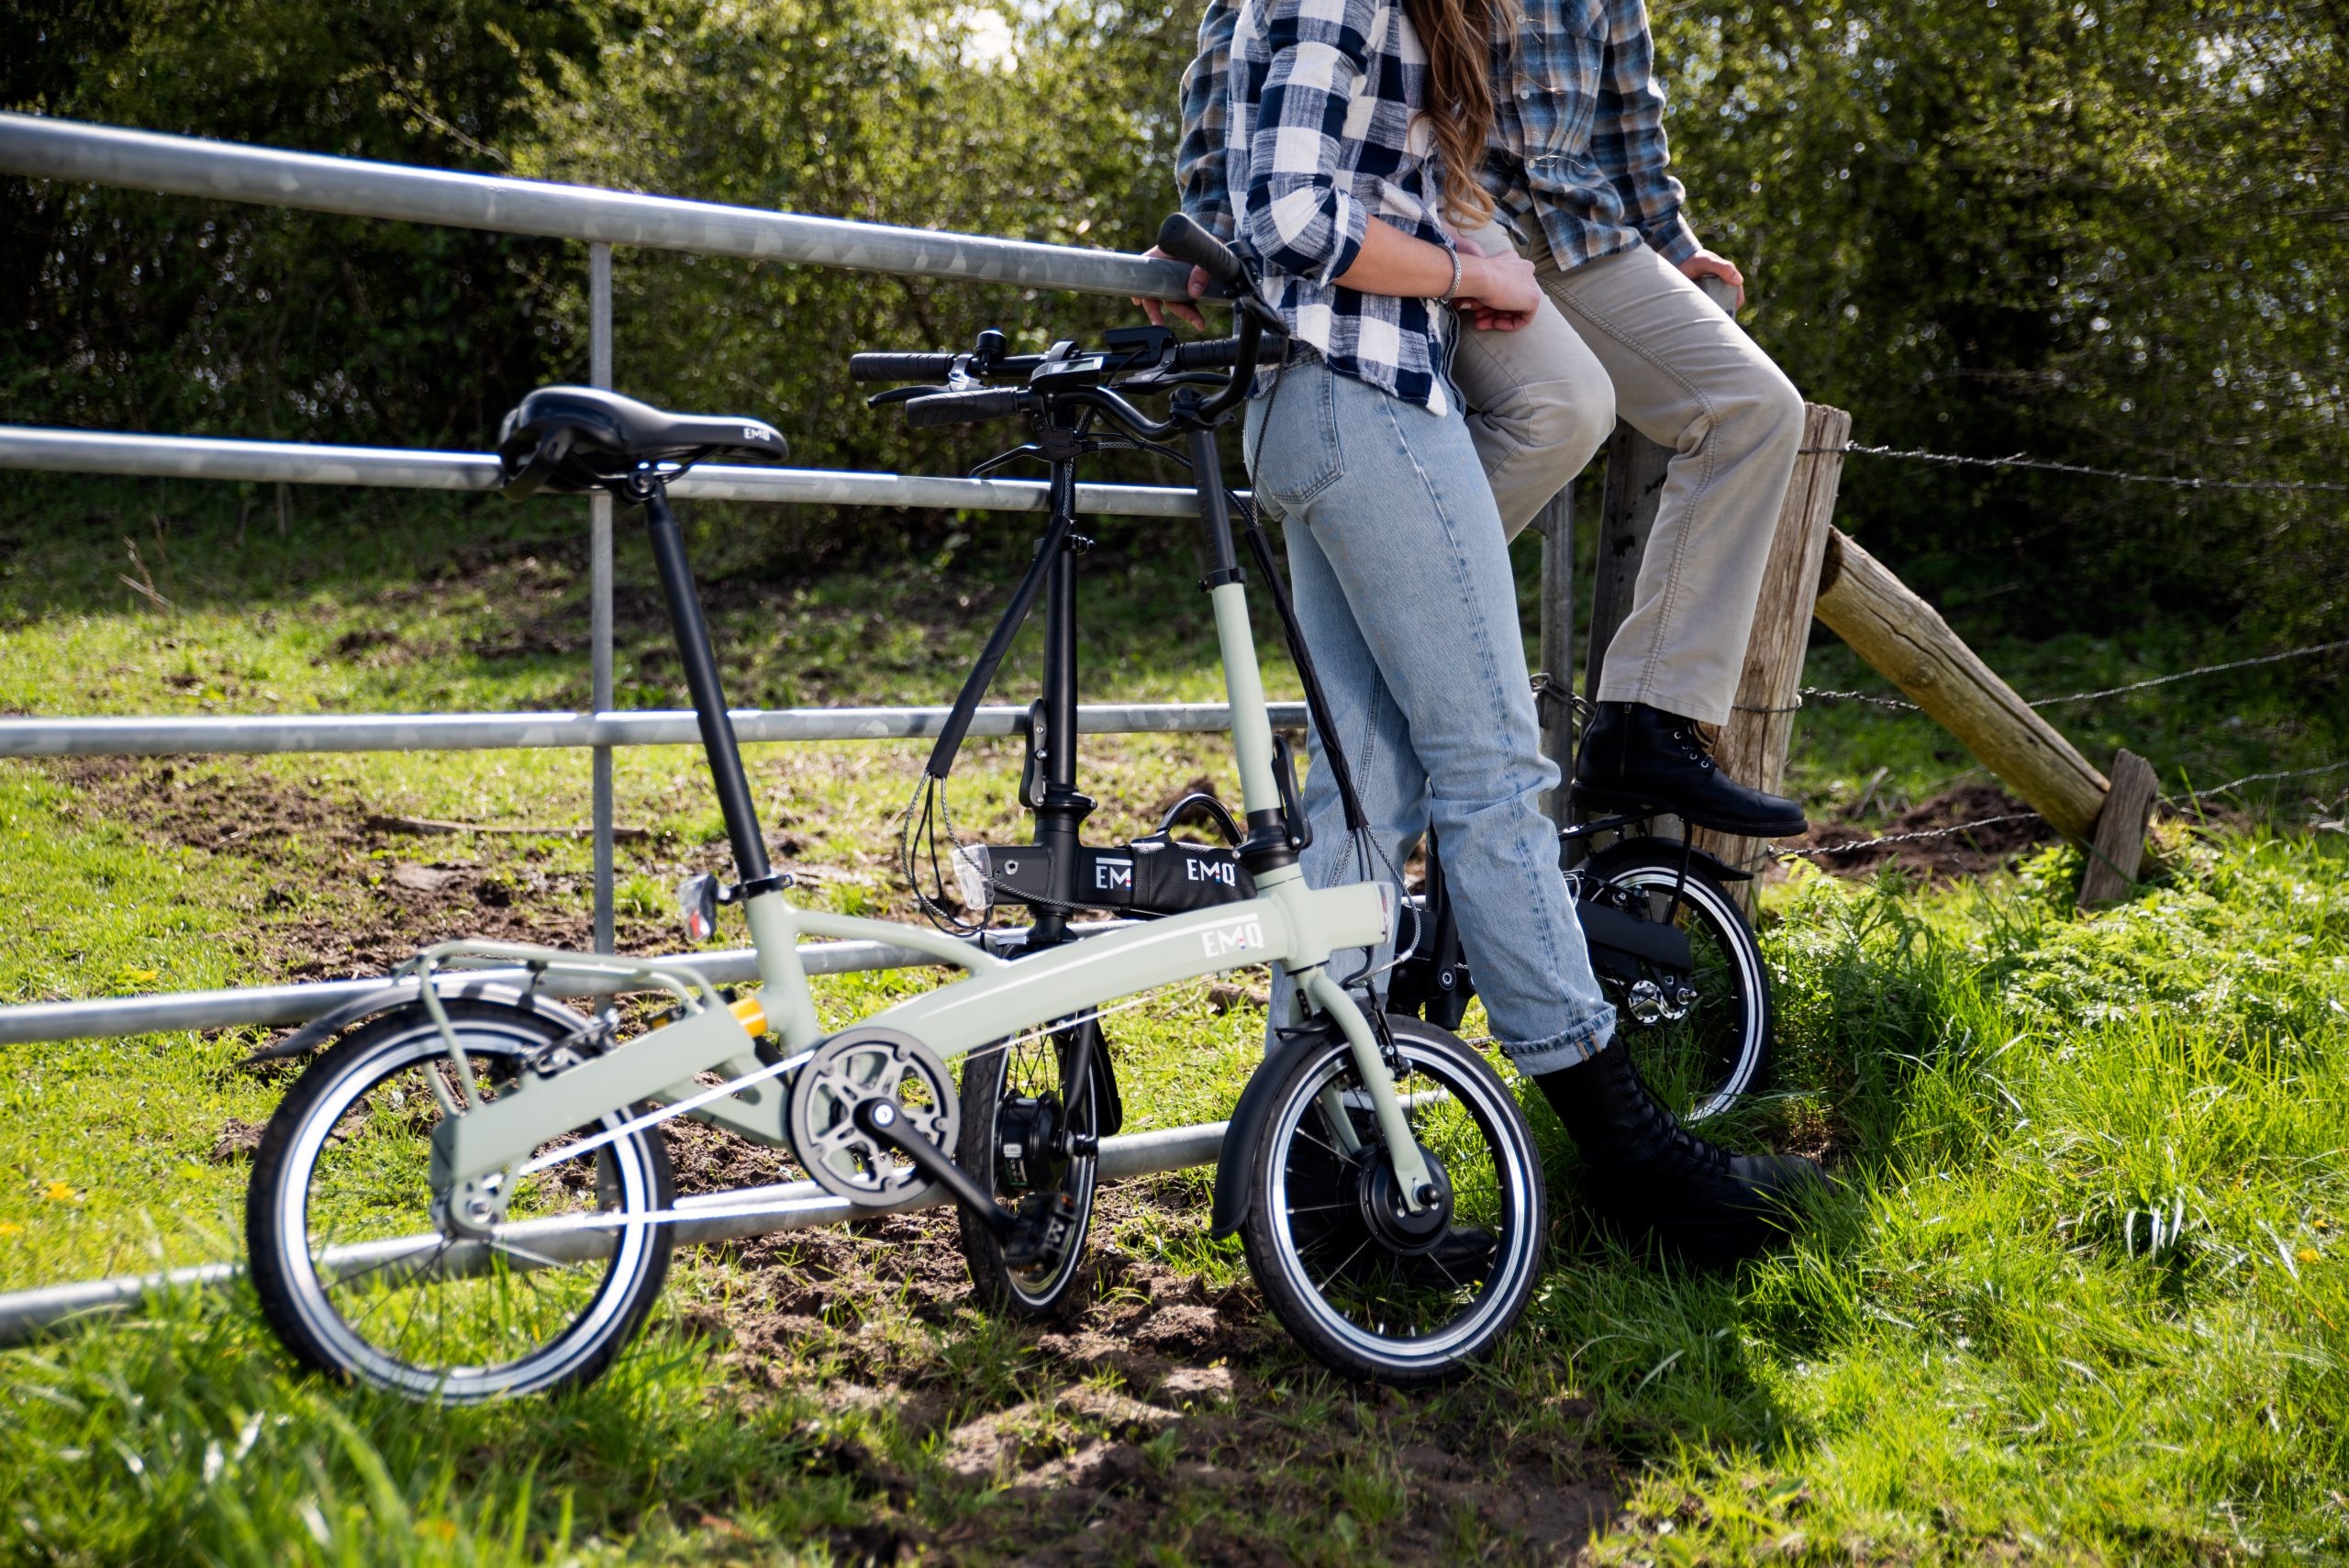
[901, 394]
[1002, 459]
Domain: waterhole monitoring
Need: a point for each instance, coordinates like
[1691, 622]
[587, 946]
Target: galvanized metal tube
[189, 166]
[290, 462]
[167, 735]
[796, 1206]
[599, 601]
[277, 1006]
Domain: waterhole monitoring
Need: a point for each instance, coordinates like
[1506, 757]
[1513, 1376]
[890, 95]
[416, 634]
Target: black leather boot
[1653, 1177]
[1634, 756]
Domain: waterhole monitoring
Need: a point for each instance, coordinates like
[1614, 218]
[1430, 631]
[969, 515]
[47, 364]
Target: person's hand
[1497, 286]
[1158, 310]
[1706, 264]
[1484, 319]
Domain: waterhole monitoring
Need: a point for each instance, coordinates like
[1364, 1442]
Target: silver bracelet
[1448, 295]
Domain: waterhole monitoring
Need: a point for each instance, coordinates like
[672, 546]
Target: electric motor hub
[1379, 1196]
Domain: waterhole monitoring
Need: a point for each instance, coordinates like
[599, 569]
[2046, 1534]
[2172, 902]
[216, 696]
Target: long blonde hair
[1462, 37]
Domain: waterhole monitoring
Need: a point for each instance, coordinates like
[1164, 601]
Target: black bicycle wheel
[1015, 1123]
[357, 1269]
[1367, 1291]
[1700, 1036]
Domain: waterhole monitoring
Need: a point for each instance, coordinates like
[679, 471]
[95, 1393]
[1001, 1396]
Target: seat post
[709, 698]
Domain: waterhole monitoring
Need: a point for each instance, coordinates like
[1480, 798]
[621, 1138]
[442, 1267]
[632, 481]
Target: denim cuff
[1577, 1045]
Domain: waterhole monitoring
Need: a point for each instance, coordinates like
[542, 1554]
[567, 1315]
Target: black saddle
[584, 438]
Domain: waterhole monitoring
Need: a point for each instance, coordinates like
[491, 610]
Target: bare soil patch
[381, 909]
[1973, 854]
[1170, 1410]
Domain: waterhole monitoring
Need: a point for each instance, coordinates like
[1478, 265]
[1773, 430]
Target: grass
[2081, 1299]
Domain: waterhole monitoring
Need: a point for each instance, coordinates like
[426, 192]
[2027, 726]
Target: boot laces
[1693, 744]
[1683, 1150]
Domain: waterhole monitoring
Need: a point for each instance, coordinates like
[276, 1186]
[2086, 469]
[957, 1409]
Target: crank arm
[879, 1118]
[1022, 1240]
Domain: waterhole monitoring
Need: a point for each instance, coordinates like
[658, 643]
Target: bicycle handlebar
[1183, 238]
[963, 407]
[899, 367]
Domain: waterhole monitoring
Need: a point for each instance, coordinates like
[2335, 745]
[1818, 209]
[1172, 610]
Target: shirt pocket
[1562, 76]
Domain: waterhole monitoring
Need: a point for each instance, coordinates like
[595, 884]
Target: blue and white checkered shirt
[1325, 135]
[1579, 156]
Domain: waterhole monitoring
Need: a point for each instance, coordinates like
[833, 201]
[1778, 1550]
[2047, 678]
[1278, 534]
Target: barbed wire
[2017, 460]
[2232, 784]
[1917, 836]
[1808, 693]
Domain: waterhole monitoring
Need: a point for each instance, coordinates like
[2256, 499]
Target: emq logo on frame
[1241, 936]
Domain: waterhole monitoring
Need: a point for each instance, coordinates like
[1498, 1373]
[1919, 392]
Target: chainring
[850, 1068]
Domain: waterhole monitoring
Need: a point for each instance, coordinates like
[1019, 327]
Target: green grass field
[2082, 1297]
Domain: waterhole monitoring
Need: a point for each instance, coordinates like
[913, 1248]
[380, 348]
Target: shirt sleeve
[1207, 110]
[1627, 139]
[1298, 216]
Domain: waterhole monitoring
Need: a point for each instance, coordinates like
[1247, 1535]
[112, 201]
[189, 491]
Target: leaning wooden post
[1753, 745]
[1906, 639]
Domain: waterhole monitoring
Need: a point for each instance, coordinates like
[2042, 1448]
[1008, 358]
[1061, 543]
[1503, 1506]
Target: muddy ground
[1164, 1410]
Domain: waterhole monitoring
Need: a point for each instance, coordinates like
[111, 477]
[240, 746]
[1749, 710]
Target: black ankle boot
[1652, 1177]
[1634, 756]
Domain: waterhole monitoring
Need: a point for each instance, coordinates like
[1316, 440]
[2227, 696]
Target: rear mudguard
[448, 988]
[1242, 1134]
[1669, 848]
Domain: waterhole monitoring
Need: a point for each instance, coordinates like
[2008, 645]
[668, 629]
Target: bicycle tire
[1698, 1066]
[587, 1313]
[1342, 1319]
[1065, 1288]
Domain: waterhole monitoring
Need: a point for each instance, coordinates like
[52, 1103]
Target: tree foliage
[2101, 233]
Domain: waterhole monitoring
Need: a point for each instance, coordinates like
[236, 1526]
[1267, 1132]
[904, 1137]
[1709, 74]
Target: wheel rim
[415, 1319]
[1699, 1064]
[1400, 1312]
[1029, 1070]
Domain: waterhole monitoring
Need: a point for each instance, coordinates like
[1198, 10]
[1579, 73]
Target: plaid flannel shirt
[1324, 136]
[1579, 156]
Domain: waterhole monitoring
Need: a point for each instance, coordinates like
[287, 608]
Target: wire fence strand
[2017, 460]
[1874, 699]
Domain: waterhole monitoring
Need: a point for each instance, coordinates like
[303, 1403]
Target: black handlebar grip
[963, 407]
[899, 367]
[1182, 238]
[1213, 354]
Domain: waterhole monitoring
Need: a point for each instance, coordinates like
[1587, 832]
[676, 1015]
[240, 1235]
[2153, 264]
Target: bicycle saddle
[584, 438]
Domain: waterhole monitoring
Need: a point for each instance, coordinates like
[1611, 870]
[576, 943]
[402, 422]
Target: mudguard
[1242, 1134]
[448, 988]
[1722, 870]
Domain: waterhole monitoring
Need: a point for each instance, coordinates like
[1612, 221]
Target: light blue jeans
[1401, 576]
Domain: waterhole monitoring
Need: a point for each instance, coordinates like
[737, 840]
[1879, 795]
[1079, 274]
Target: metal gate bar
[797, 1206]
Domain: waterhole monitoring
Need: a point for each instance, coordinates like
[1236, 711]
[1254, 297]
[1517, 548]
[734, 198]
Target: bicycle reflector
[697, 905]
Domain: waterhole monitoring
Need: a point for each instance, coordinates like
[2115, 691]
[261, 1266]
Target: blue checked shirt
[1325, 136]
[1578, 163]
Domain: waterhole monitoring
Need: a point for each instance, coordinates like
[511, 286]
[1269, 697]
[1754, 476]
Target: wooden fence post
[1555, 524]
[2117, 852]
[1907, 640]
[1753, 745]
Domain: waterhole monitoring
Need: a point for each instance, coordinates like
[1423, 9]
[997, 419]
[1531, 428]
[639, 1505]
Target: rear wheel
[1371, 1289]
[1016, 1121]
[1701, 1037]
[356, 1267]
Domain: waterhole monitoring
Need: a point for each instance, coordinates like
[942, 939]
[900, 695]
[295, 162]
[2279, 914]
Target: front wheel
[1370, 1289]
[361, 1274]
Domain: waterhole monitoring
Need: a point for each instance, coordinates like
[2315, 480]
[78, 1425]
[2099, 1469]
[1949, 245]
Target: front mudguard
[1246, 1128]
[400, 993]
